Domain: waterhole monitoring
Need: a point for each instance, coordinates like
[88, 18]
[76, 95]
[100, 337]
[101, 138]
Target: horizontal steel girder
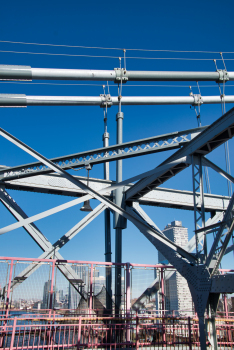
[161, 197]
[222, 283]
[7, 100]
[8, 72]
[105, 154]
[209, 139]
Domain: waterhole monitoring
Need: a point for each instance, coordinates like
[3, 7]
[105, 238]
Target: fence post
[190, 334]
[91, 290]
[79, 333]
[163, 308]
[128, 301]
[162, 292]
[52, 286]
[13, 333]
[9, 289]
[137, 331]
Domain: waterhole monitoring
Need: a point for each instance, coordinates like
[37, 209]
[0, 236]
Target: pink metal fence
[40, 291]
[91, 324]
[111, 333]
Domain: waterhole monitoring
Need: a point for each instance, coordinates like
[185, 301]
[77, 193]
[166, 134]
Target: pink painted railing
[91, 324]
[47, 284]
[93, 333]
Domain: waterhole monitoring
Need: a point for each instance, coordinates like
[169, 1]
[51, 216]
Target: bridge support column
[119, 221]
[107, 232]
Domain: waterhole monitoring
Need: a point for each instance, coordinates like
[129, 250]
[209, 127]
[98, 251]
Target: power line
[113, 48]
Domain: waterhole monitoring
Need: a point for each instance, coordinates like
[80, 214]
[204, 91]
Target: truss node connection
[8, 72]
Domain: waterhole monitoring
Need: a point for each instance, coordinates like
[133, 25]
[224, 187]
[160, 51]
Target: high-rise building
[74, 297]
[46, 295]
[177, 293]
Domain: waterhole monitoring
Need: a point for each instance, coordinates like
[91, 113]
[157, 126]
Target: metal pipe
[24, 101]
[9, 72]
[118, 218]
[107, 228]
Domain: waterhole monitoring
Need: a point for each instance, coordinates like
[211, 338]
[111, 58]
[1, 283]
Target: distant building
[46, 295]
[177, 293]
[74, 296]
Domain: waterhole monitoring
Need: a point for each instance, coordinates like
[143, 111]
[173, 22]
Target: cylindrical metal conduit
[23, 100]
[72, 74]
[172, 76]
[8, 72]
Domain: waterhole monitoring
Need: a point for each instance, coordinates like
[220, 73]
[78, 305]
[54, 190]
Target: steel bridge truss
[51, 176]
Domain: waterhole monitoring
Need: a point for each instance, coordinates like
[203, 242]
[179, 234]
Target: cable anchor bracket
[106, 101]
[121, 74]
[197, 99]
[223, 76]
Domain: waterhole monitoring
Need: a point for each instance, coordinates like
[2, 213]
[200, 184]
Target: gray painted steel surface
[105, 154]
[160, 197]
[8, 100]
[8, 72]
[212, 137]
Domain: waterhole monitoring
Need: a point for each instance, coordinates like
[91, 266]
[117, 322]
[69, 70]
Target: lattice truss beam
[185, 262]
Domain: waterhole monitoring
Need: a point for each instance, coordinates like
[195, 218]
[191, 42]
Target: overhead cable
[113, 48]
[110, 86]
[115, 57]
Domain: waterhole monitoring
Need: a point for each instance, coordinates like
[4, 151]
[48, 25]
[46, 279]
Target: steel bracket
[121, 74]
[197, 100]
[223, 76]
[106, 100]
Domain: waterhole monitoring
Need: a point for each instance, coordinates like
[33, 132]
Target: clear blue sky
[54, 131]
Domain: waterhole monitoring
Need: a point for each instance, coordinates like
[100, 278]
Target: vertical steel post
[13, 333]
[9, 289]
[91, 290]
[198, 200]
[163, 306]
[128, 300]
[190, 333]
[79, 334]
[52, 286]
[107, 227]
[162, 292]
[225, 305]
[137, 331]
[119, 222]
[226, 315]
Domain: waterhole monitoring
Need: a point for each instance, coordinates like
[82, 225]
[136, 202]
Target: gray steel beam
[43, 242]
[198, 199]
[105, 154]
[222, 283]
[19, 214]
[7, 100]
[212, 137]
[160, 197]
[207, 162]
[221, 240]
[191, 245]
[52, 250]
[8, 72]
[107, 223]
[157, 236]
